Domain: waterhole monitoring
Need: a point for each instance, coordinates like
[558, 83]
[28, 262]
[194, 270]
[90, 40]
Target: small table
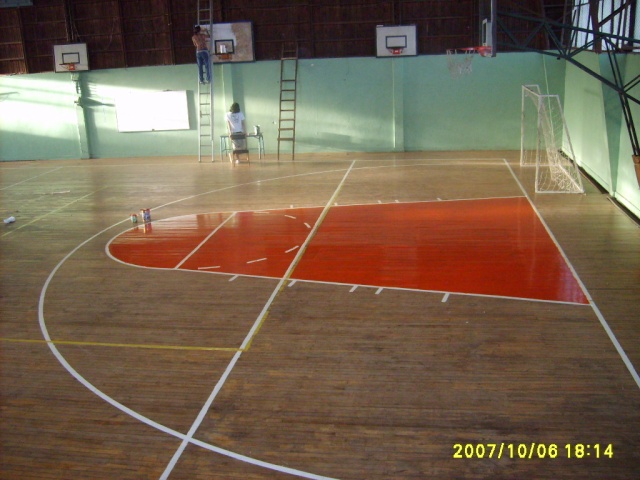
[226, 148]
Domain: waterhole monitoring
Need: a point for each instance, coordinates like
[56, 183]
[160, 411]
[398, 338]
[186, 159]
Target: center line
[254, 330]
[204, 241]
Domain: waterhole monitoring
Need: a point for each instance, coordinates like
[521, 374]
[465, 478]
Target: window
[612, 17]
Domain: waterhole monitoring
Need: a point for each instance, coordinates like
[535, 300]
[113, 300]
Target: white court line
[292, 249]
[196, 424]
[31, 178]
[163, 428]
[414, 202]
[208, 268]
[128, 411]
[292, 283]
[353, 289]
[379, 291]
[467, 294]
[204, 241]
[409, 202]
[233, 278]
[257, 260]
[290, 216]
[23, 225]
[595, 308]
[445, 298]
[462, 294]
[123, 408]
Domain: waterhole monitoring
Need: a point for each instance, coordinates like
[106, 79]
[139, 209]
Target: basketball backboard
[396, 41]
[71, 57]
[231, 42]
[488, 25]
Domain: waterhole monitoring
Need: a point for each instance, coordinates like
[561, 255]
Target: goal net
[545, 143]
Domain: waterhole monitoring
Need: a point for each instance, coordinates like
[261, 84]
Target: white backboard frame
[70, 53]
[404, 36]
[233, 38]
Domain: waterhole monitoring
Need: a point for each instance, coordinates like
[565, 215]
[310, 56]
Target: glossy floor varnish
[361, 316]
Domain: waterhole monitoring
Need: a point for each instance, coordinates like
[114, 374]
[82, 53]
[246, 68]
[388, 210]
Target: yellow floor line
[124, 345]
[298, 257]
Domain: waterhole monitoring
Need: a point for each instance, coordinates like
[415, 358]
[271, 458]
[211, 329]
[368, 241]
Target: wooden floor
[153, 353]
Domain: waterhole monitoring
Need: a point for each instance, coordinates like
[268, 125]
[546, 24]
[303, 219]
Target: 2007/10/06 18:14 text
[531, 451]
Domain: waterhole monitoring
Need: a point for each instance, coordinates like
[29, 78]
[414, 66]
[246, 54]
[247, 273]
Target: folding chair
[239, 147]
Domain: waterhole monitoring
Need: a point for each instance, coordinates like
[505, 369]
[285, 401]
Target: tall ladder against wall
[288, 97]
[205, 92]
[205, 122]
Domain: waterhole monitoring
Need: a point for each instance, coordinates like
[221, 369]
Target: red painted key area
[488, 247]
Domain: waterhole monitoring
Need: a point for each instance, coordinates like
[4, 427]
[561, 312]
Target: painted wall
[351, 104]
[64, 115]
[598, 131]
[584, 110]
[480, 111]
[38, 118]
[355, 104]
[627, 190]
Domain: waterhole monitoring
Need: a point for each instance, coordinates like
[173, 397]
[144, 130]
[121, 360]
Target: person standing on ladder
[200, 40]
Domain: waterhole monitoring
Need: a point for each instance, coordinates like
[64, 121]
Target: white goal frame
[545, 143]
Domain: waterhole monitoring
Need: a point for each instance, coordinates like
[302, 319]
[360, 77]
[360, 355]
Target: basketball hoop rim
[482, 50]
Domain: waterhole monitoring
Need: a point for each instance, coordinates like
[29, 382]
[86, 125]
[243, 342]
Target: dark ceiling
[132, 33]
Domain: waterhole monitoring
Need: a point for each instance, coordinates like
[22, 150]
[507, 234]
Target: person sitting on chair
[235, 126]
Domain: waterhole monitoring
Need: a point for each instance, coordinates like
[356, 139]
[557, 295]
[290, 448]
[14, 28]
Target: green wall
[344, 105]
[355, 104]
[480, 111]
[584, 110]
[64, 115]
[38, 118]
[627, 190]
[598, 131]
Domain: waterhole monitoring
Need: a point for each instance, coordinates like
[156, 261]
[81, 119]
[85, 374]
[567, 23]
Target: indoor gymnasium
[319, 239]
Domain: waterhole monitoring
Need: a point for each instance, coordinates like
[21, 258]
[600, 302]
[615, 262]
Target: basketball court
[421, 315]
[363, 317]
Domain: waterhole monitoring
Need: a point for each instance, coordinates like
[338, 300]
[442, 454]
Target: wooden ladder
[205, 92]
[288, 91]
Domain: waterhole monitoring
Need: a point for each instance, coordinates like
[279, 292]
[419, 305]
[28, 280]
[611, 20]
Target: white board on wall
[152, 111]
